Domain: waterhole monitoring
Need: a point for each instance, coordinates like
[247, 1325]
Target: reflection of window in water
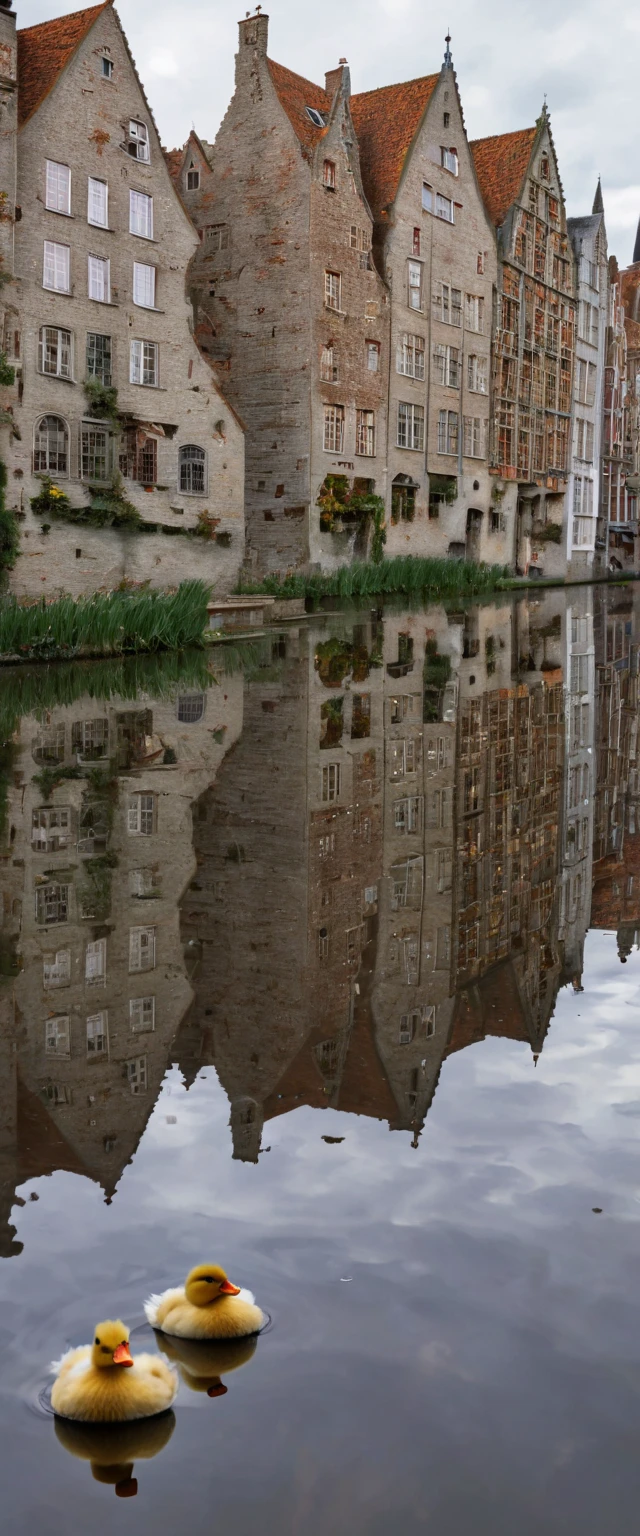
[49, 746]
[326, 1056]
[95, 962]
[326, 845]
[52, 903]
[407, 814]
[190, 707]
[419, 1024]
[57, 1040]
[136, 1071]
[142, 949]
[361, 716]
[56, 1093]
[56, 969]
[51, 828]
[93, 828]
[144, 882]
[331, 781]
[132, 729]
[90, 740]
[142, 1013]
[141, 815]
[97, 1035]
[404, 706]
[406, 884]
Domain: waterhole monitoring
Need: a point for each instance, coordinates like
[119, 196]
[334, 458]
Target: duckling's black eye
[97, 1341]
[208, 1279]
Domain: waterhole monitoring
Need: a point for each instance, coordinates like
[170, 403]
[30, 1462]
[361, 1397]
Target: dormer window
[137, 144]
[315, 117]
[329, 175]
[106, 67]
[193, 180]
[449, 160]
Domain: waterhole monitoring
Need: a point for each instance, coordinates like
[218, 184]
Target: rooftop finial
[447, 53]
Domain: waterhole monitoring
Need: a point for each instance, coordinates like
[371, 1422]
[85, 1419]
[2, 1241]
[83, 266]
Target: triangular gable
[44, 51]
[386, 122]
[501, 163]
[295, 94]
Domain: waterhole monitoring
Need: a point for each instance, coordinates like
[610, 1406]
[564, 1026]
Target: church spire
[598, 205]
[636, 248]
[448, 61]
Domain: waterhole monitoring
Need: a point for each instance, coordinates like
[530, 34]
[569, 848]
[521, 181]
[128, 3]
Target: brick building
[113, 401]
[533, 341]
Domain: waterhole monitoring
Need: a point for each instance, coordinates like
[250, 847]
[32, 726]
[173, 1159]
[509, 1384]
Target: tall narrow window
[142, 949]
[427, 197]
[477, 374]
[141, 815]
[329, 175]
[410, 356]
[333, 440]
[57, 267]
[474, 312]
[56, 969]
[106, 68]
[193, 180]
[138, 140]
[328, 365]
[333, 290]
[57, 1039]
[95, 452]
[58, 187]
[410, 431]
[416, 241]
[144, 285]
[141, 215]
[51, 446]
[446, 364]
[331, 775]
[415, 284]
[137, 1074]
[449, 160]
[97, 1035]
[99, 279]
[52, 903]
[474, 430]
[192, 464]
[98, 200]
[55, 352]
[444, 208]
[448, 432]
[144, 363]
[142, 1014]
[99, 357]
[373, 356]
[365, 434]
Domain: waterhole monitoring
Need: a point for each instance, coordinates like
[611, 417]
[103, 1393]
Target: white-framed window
[106, 67]
[52, 903]
[446, 365]
[193, 180]
[366, 434]
[474, 312]
[98, 203]
[328, 364]
[98, 1035]
[407, 882]
[96, 455]
[583, 535]
[143, 882]
[192, 470]
[95, 963]
[585, 385]
[333, 435]
[410, 356]
[326, 845]
[473, 444]
[405, 705]
[427, 197]
[57, 1041]
[583, 439]
[56, 352]
[331, 781]
[58, 188]
[136, 1071]
[414, 284]
[588, 322]
[56, 271]
[142, 1014]
[448, 432]
[444, 208]
[444, 869]
[99, 279]
[143, 363]
[98, 357]
[419, 1024]
[449, 159]
[447, 304]
[144, 285]
[373, 357]
[90, 739]
[407, 814]
[142, 815]
[477, 374]
[51, 446]
[51, 828]
[216, 237]
[138, 140]
[329, 175]
[56, 969]
[141, 215]
[142, 949]
[410, 426]
[333, 290]
[405, 756]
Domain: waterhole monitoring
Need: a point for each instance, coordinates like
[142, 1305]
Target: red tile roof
[295, 94]
[386, 122]
[501, 163]
[44, 51]
[174, 159]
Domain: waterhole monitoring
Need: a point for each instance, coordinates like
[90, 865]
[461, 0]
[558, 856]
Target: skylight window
[315, 117]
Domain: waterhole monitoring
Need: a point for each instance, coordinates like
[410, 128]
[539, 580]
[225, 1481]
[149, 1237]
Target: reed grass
[406, 575]
[105, 624]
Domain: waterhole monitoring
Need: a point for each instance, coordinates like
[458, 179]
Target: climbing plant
[340, 503]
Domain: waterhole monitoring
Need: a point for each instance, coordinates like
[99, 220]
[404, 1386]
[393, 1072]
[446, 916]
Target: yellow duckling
[208, 1306]
[101, 1383]
[112, 1448]
[202, 1362]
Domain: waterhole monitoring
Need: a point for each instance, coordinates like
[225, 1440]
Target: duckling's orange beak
[227, 1289]
[122, 1355]
[218, 1391]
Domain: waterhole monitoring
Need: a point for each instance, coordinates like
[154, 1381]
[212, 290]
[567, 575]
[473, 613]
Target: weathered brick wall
[80, 124]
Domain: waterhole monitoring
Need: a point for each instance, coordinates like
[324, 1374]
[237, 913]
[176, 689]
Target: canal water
[320, 961]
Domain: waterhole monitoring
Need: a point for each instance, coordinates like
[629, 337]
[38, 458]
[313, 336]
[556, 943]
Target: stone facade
[589, 240]
[101, 247]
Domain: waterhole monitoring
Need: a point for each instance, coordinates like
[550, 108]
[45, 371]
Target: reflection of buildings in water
[100, 850]
[616, 842]
[579, 783]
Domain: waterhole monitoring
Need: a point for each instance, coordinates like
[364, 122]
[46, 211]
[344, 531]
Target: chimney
[338, 79]
[253, 34]
[8, 130]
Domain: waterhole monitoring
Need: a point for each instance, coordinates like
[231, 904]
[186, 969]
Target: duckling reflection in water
[112, 1449]
[202, 1362]
[101, 1383]
[207, 1306]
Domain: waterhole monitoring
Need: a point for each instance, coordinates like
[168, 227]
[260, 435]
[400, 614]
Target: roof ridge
[45, 50]
[395, 85]
[85, 10]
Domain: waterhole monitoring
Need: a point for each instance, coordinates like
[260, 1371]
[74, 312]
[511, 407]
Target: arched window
[190, 707]
[51, 446]
[193, 478]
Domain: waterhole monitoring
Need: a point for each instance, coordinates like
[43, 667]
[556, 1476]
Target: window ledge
[60, 293]
[151, 309]
[331, 311]
[107, 229]
[148, 239]
[59, 212]
[106, 303]
[59, 377]
[159, 388]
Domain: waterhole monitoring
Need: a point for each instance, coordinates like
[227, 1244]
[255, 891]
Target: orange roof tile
[295, 94]
[386, 122]
[174, 159]
[44, 51]
[501, 163]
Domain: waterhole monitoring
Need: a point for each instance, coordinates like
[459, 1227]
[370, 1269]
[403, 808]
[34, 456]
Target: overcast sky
[507, 54]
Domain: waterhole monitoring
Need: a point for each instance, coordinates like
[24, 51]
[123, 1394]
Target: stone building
[113, 401]
[91, 878]
[577, 818]
[589, 240]
[533, 342]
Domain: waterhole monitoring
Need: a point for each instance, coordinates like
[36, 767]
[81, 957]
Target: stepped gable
[501, 164]
[44, 51]
[295, 93]
[386, 122]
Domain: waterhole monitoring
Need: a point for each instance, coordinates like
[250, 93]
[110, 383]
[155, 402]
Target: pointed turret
[636, 248]
[598, 204]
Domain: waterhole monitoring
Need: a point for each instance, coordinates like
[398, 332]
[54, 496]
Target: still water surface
[320, 961]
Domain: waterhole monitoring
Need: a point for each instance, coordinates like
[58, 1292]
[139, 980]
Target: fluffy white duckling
[112, 1449]
[202, 1362]
[101, 1383]
[207, 1306]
